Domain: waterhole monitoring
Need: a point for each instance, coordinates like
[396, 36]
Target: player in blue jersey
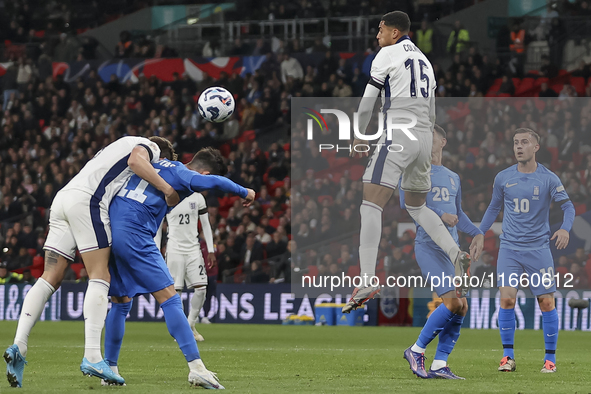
[526, 190]
[138, 266]
[445, 199]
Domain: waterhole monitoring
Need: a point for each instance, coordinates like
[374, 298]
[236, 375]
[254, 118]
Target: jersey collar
[404, 37]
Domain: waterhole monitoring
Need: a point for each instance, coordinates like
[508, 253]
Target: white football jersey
[407, 82]
[107, 172]
[183, 220]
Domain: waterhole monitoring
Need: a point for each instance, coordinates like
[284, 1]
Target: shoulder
[384, 55]
[506, 172]
[450, 173]
[547, 173]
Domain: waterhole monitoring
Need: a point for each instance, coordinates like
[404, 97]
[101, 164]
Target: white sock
[438, 364]
[435, 228]
[196, 304]
[369, 239]
[197, 365]
[33, 306]
[115, 369]
[96, 302]
[417, 349]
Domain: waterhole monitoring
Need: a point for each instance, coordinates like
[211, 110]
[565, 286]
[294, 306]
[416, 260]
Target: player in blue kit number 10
[526, 190]
[138, 266]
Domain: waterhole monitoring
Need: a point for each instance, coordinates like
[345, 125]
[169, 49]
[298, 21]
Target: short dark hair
[166, 148]
[398, 20]
[523, 130]
[439, 130]
[209, 159]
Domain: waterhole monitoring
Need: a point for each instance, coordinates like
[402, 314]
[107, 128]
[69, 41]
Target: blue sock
[507, 329]
[179, 328]
[114, 331]
[448, 337]
[550, 326]
[435, 323]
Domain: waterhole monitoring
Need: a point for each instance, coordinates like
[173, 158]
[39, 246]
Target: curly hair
[166, 148]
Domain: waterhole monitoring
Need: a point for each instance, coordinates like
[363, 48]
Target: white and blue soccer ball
[216, 104]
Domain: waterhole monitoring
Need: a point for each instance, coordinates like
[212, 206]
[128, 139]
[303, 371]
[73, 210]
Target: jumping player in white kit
[183, 252]
[79, 218]
[403, 77]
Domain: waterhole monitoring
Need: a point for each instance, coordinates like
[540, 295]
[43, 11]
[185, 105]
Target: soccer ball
[216, 104]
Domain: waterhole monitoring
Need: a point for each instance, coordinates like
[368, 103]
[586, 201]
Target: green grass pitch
[274, 359]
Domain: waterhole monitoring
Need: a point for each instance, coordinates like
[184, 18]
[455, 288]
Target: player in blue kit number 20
[139, 268]
[526, 191]
[445, 199]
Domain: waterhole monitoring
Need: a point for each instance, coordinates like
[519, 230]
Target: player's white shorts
[77, 219]
[187, 269]
[411, 159]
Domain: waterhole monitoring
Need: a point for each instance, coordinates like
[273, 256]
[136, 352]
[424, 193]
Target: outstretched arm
[494, 207]
[465, 225]
[214, 182]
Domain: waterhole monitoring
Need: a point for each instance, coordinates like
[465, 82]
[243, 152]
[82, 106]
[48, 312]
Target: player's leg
[196, 277]
[208, 306]
[114, 332]
[379, 181]
[59, 245]
[539, 264]
[90, 226]
[96, 301]
[435, 264]
[449, 336]
[508, 268]
[33, 306]
[550, 328]
[179, 329]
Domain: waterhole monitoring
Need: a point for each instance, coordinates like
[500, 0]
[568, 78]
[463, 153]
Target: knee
[546, 304]
[53, 278]
[507, 303]
[455, 305]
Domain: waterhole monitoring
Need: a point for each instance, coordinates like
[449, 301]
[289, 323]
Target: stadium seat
[312, 270]
[77, 267]
[562, 271]
[554, 153]
[356, 172]
[525, 87]
[32, 252]
[274, 222]
[540, 81]
[580, 208]
[353, 271]
[577, 159]
[579, 85]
